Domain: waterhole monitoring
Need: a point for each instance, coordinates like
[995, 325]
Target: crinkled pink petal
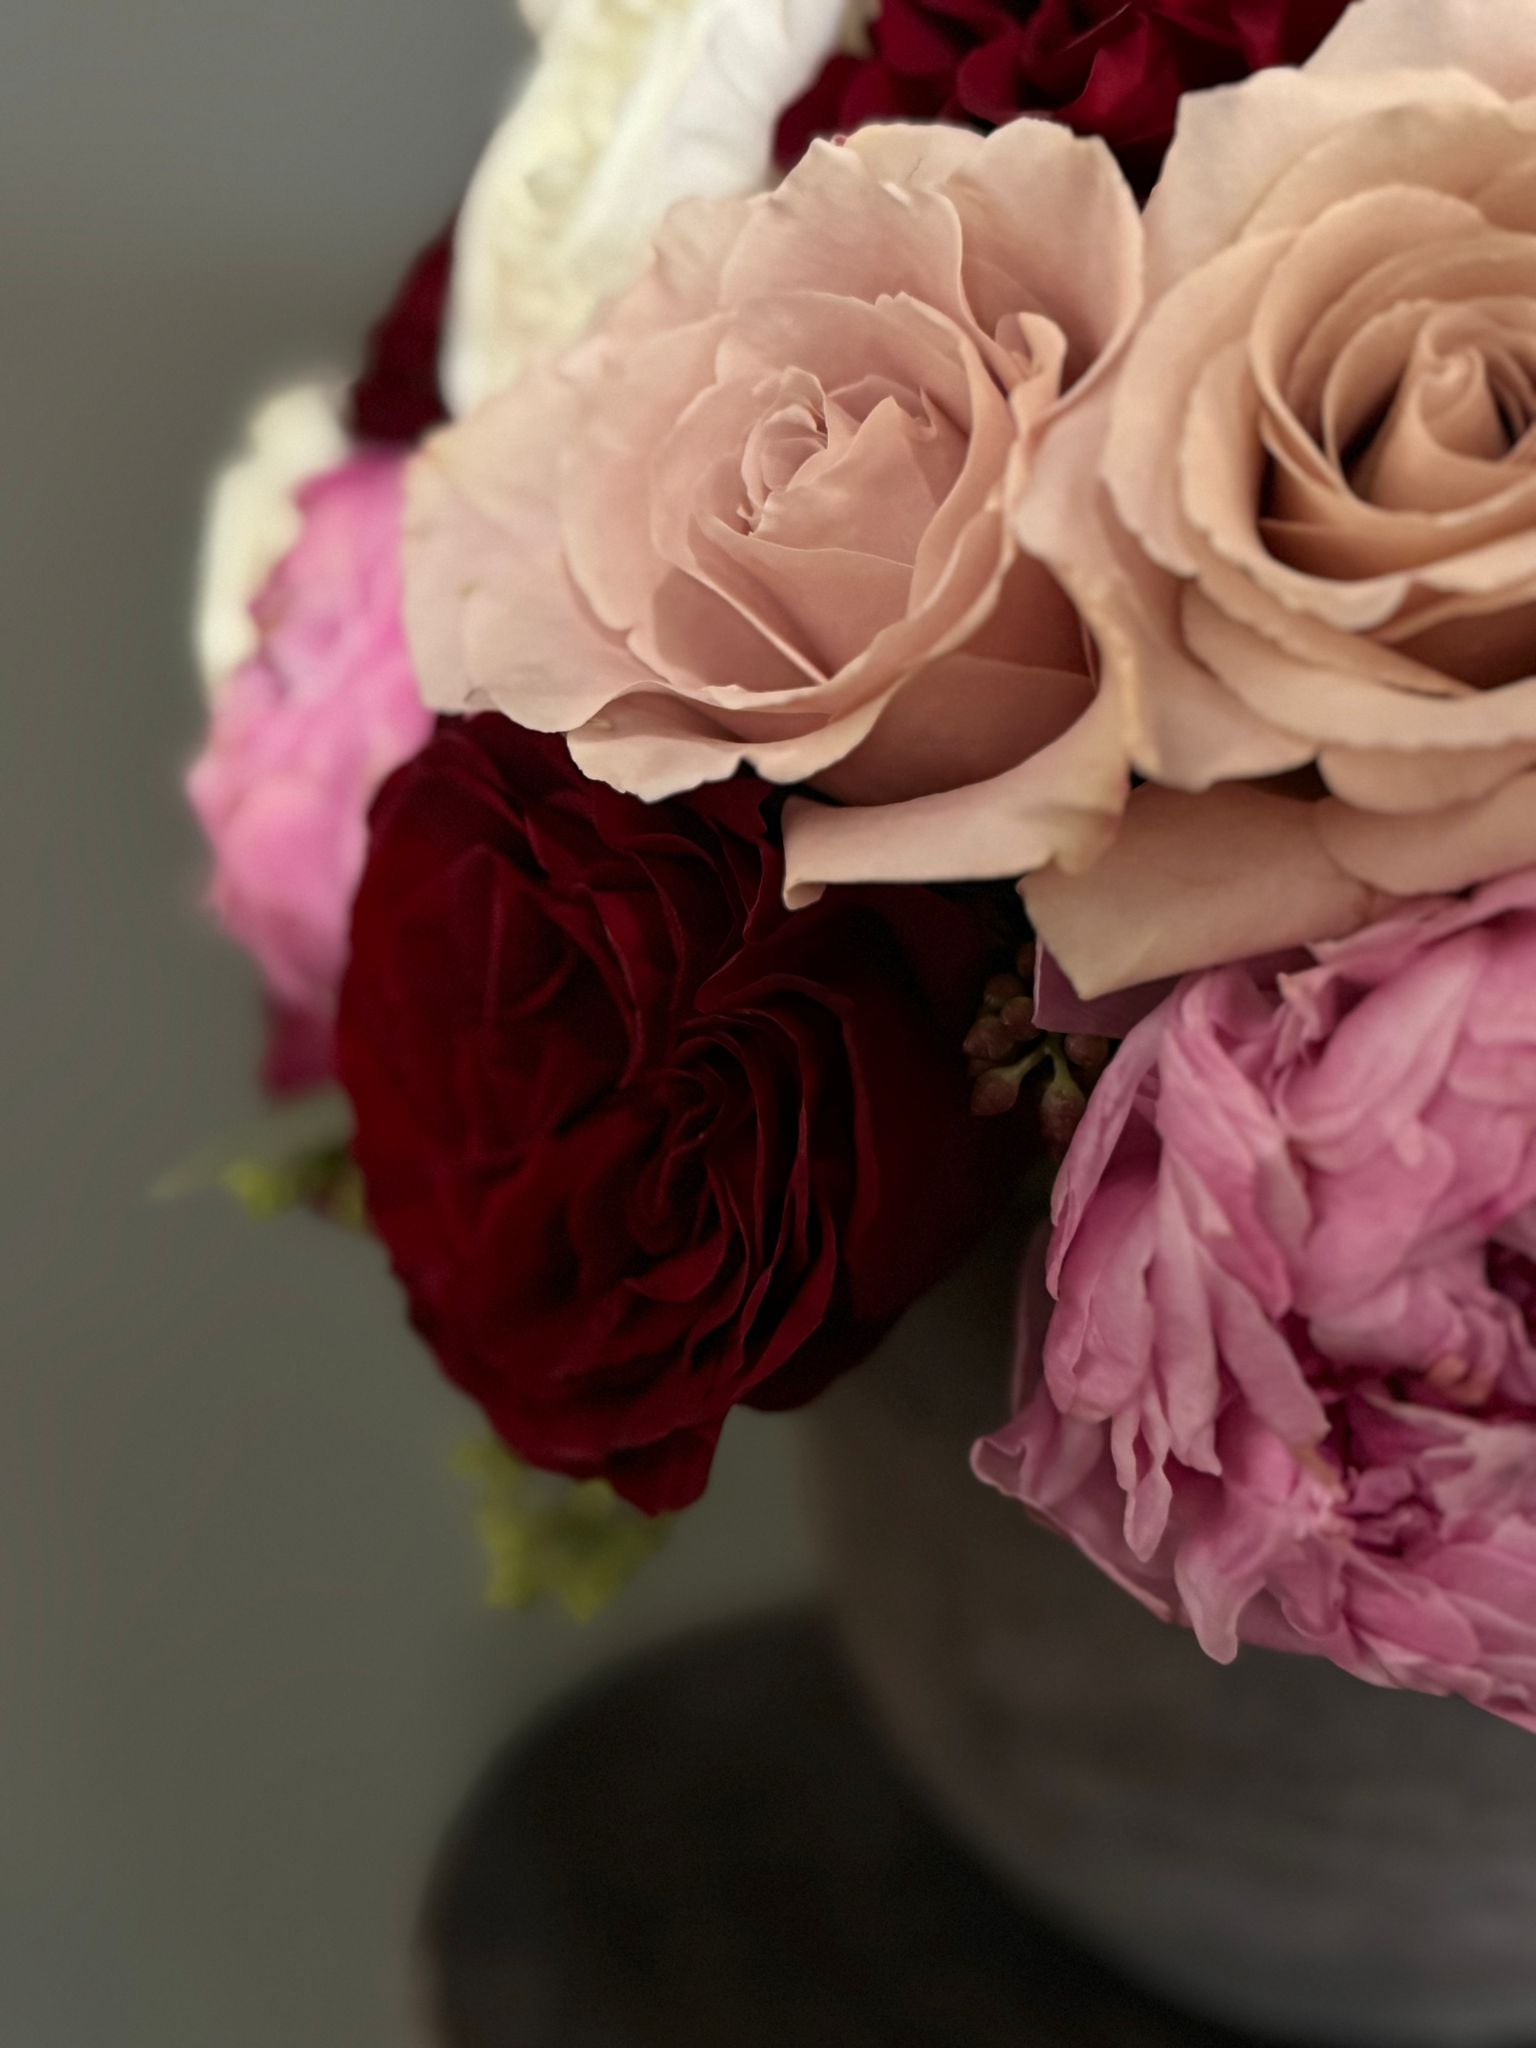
[304, 733]
[1287, 1395]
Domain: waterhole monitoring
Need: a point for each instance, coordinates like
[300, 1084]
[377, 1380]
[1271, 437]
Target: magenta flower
[1288, 1393]
[301, 737]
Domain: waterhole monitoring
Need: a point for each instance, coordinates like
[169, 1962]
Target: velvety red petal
[643, 1144]
[1113, 68]
[397, 398]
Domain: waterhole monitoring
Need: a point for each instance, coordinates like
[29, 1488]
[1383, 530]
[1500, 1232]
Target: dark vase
[1272, 1843]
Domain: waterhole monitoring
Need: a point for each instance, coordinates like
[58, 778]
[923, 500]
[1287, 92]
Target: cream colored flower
[633, 104]
[253, 518]
[857, 16]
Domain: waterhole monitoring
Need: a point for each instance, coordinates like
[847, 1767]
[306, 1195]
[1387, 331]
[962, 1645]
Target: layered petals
[762, 516]
[632, 106]
[643, 1145]
[1288, 1392]
[1312, 544]
[300, 737]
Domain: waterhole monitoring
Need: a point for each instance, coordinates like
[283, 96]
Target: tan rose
[1315, 545]
[760, 516]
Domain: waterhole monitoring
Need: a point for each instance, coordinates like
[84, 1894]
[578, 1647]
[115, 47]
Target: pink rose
[1317, 546]
[760, 516]
[302, 735]
[1289, 1389]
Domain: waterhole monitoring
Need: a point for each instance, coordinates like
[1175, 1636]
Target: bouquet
[919, 598]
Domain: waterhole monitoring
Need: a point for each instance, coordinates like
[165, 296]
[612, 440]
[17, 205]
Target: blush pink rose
[1305, 527]
[760, 516]
[300, 739]
[1288, 1393]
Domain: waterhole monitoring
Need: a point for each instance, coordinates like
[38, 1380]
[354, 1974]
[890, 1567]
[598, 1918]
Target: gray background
[244, 1667]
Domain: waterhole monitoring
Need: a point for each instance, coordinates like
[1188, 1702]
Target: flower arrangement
[921, 594]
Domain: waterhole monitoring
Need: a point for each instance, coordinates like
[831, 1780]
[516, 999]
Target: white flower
[634, 104]
[857, 15]
[253, 519]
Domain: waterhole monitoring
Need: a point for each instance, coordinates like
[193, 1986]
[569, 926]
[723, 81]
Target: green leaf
[571, 1541]
[327, 1182]
[297, 1156]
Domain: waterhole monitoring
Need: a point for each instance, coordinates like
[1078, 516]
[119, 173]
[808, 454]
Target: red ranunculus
[642, 1143]
[1113, 68]
[398, 398]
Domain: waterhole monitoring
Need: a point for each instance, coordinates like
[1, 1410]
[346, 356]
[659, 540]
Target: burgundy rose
[398, 398]
[1114, 68]
[642, 1144]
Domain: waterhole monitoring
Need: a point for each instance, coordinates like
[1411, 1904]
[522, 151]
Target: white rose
[857, 16]
[633, 104]
[253, 518]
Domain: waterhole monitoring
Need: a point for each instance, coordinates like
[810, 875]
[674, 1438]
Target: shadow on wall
[244, 1669]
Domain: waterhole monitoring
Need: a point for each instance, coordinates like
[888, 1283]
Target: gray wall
[244, 1670]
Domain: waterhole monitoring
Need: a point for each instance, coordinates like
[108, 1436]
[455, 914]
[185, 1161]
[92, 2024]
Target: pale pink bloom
[1288, 1393]
[1303, 523]
[303, 733]
[761, 515]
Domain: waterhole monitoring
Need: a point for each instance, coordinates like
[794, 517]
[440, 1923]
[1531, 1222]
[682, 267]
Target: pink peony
[301, 737]
[1289, 1390]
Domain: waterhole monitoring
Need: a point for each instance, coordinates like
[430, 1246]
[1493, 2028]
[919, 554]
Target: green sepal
[571, 1541]
[298, 1157]
[327, 1182]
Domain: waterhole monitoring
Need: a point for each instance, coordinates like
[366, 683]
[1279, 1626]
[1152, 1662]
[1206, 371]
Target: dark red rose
[397, 398]
[643, 1144]
[1114, 68]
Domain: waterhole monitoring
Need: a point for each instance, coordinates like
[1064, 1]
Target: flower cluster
[1101, 472]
